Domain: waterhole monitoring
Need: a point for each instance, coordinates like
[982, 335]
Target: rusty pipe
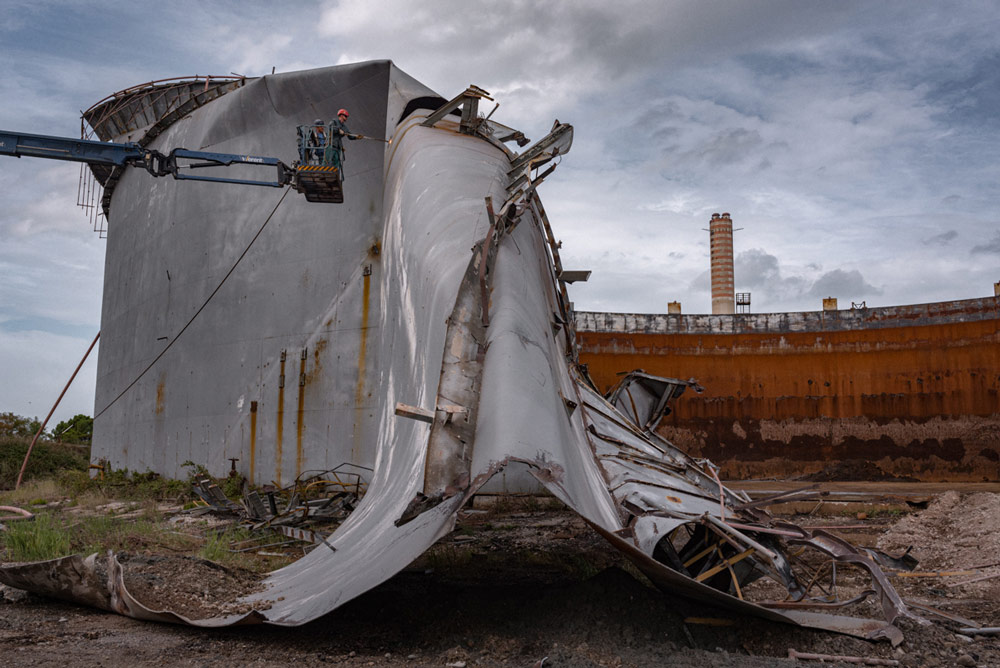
[38, 433]
[17, 514]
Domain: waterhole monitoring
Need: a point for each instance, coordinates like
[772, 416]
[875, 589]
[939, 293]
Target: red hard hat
[343, 112]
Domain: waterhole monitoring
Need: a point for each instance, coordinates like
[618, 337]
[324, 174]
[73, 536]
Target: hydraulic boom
[315, 184]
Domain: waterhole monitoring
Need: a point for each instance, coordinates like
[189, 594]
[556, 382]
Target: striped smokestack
[720, 233]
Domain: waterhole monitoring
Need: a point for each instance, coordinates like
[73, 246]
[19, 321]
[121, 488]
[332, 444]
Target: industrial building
[913, 389]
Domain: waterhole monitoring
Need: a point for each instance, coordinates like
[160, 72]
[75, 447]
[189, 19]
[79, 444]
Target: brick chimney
[720, 234]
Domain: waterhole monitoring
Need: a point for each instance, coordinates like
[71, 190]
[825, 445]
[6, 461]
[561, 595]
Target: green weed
[38, 540]
[68, 467]
[218, 548]
[31, 491]
[74, 482]
[124, 485]
[101, 533]
[217, 545]
[892, 513]
[53, 535]
[232, 487]
[46, 459]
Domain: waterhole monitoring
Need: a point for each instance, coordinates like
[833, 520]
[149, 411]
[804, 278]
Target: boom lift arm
[314, 185]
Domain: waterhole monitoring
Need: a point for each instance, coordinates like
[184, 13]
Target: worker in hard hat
[335, 147]
[318, 143]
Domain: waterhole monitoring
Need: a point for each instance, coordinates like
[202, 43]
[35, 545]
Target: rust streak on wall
[359, 393]
[914, 388]
[300, 415]
[253, 439]
[279, 435]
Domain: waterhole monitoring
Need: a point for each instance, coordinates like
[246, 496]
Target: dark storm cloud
[755, 268]
[761, 272]
[941, 239]
[973, 96]
[992, 246]
[726, 147]
[844, 284]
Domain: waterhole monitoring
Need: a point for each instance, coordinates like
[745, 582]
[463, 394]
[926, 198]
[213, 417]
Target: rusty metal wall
[913, 388]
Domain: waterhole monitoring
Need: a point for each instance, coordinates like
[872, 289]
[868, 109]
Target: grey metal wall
[310, 286]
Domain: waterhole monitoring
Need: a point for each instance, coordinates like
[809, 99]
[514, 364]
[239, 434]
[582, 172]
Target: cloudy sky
[855, 143]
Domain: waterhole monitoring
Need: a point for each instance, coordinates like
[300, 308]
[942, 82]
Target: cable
[200, 308]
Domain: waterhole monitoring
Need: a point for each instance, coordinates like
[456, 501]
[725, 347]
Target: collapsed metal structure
[427, 326]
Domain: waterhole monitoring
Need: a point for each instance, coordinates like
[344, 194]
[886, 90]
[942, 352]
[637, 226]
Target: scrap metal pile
[307, 511]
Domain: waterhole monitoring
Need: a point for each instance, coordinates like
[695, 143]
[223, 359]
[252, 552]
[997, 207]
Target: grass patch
[70, 517]
[91, 499]
[218, 548]
[38, 540]
[44, 490]
[125, 486]
[76, 485]
[101, 533]
[53, 535]
[68, 467]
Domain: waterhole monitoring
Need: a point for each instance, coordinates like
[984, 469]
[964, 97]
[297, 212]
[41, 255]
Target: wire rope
[200, 308]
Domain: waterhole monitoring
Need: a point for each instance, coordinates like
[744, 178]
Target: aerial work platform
[319, 183]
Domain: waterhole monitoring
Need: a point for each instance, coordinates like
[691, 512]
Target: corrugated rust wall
[912, 388]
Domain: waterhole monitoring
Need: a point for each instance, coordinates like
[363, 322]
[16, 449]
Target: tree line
[78, 429]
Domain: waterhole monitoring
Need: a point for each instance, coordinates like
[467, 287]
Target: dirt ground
[540, 588]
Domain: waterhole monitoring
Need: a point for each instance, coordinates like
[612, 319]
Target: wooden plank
[726, 563]
[414, 413]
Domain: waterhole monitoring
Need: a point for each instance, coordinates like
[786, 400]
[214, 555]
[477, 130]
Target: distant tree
[17, 426]
[77, 429]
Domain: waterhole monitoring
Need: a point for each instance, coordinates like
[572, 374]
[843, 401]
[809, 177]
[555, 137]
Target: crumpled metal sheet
[75, 578]
[474, 329]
